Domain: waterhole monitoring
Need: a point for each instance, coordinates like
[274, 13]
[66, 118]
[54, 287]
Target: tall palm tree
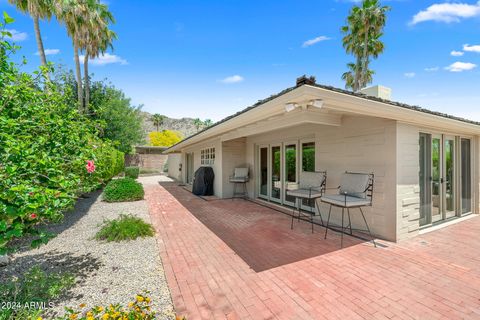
[362, 39]
[37, 9]
[96, 38]
[73, 14]
[158, 120]
[349, 76]
[197, 123]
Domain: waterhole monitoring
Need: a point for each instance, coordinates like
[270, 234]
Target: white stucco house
[426, 164]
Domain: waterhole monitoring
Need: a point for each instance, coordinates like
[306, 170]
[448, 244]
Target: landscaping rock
[4, 260]
[105, 272]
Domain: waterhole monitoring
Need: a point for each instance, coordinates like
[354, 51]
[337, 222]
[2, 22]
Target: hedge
[49, 153]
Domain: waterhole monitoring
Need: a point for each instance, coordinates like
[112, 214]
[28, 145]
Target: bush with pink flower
[49, 153]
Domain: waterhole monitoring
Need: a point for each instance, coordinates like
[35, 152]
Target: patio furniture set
[355, 192]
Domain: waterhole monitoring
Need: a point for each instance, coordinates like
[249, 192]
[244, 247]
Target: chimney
[304, 80]
[378, 92]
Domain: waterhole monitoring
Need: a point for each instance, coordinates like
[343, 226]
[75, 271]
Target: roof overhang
[272, 114]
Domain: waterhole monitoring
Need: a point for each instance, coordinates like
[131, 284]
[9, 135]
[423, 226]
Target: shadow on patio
[260, 235]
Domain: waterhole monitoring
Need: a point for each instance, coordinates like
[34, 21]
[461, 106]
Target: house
[426, 164]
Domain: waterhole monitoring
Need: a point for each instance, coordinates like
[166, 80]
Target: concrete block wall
[362, 144]
[408, 189]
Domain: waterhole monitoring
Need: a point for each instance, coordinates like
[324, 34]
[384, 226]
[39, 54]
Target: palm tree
[37, 9]
[207, 122]
[362, 39]
[349, 76]
[96, 38]
[197, 123]
[158, 120]
[73, 13]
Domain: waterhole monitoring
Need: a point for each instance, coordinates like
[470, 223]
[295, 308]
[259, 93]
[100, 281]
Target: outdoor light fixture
[290, 107]
[317, 103]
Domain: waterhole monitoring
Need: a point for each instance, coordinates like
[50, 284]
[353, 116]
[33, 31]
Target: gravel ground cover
[105, 273]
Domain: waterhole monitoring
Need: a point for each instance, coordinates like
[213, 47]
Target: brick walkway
[211, 249]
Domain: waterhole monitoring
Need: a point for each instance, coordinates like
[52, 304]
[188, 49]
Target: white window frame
[207, 156]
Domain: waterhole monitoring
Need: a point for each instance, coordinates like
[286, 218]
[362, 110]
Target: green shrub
[44, 148]
[125, 189]
[132, 172]
[35, 286]
[127, 227]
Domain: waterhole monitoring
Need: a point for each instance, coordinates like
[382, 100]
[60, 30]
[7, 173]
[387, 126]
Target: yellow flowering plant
[139, 309]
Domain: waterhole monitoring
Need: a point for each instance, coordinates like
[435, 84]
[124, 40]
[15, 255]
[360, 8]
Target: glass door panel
[263, 162]
[466, 176]
[435, 179]
[308, 165]
[449, 177]
[424, 179]
[291, 181]
[276, 182]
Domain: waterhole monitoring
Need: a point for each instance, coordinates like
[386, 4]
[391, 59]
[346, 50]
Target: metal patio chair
[240, 176]
[355, 191]
[311, 187]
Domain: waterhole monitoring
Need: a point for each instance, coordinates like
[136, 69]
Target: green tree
[363, 31]
[120, 121]
[207, 122]
[158, 120]
[197, 123]
[37, 9]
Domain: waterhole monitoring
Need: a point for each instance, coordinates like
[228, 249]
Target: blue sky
[210, 58]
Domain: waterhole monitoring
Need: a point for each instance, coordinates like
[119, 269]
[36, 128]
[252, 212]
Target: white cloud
[447, 12]
[17, 36]
[311, 42]
[469, 48]
[432, 69]
[49, 52]
[457, 53]
[105, 59]
[409, 75]
[233, 79]
[460, 66]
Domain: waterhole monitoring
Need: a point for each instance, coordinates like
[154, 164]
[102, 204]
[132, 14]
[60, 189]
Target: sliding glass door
[444, 177]
[278, 168]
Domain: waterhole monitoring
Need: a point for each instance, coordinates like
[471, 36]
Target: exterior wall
[174, 161]
[408, 189]
[363, 144]
[217, 166]
[233, 156]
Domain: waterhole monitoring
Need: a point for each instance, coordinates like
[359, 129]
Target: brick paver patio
[238, 260]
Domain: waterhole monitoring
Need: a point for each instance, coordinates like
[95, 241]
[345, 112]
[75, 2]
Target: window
[308, 156]
[207, 156]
